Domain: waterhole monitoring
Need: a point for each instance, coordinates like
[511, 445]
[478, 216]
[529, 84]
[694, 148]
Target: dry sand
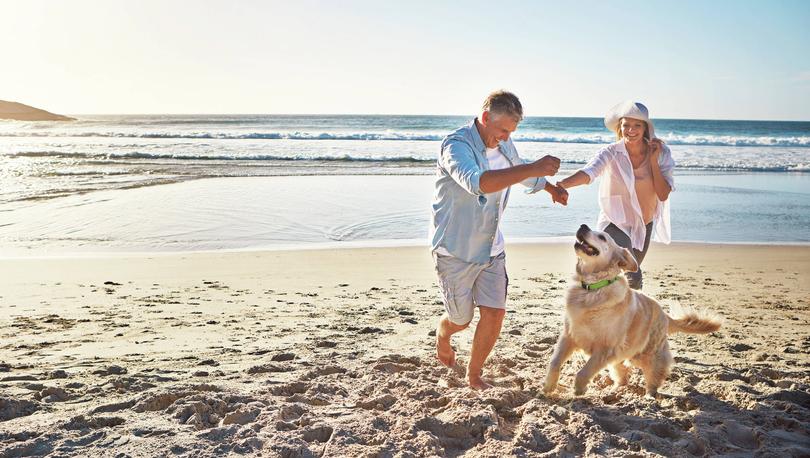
[330, 353]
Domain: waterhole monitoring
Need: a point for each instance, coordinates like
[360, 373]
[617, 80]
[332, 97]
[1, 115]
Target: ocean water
[141, 183]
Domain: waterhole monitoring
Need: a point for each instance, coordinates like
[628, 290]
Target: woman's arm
[577, 179]
[592, 169]
[662, 188]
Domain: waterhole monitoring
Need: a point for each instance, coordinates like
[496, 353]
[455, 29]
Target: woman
[634, 193]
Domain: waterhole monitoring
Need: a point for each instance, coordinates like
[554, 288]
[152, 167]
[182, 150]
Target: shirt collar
[620, 146]
[476, 137]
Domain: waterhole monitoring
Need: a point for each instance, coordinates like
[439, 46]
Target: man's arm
[458, 160]
[496, 180]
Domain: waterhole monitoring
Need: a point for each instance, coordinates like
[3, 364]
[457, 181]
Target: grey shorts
[465, 285]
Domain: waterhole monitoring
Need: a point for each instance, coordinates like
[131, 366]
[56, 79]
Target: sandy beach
[330, 353]
[216, 221]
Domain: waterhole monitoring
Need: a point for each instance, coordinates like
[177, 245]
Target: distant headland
[20, 112]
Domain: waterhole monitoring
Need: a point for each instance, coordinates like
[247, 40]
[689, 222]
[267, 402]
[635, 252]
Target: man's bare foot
[444, 351]
[477, 383]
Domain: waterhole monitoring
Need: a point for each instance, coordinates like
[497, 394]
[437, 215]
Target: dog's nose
[582, 232]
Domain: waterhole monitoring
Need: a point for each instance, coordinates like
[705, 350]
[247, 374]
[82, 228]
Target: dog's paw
[550, 384]
[580, 385]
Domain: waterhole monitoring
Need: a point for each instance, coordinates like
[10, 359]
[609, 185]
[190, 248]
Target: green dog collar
[599, 284]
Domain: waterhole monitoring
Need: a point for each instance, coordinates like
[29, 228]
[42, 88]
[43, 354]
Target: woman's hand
[654, 148]
[662, 188]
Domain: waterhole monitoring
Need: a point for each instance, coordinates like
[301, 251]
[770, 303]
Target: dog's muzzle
[582, 244]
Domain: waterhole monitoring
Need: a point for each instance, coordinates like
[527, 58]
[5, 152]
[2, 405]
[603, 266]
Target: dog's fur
[615, 324]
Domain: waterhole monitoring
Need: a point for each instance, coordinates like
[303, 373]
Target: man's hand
[546, 166]
[558, 193]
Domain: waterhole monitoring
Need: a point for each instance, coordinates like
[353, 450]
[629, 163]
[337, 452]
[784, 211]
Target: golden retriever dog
[612, 323]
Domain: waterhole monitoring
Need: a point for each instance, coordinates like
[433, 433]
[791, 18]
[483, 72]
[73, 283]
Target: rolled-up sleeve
[534, 184]
[667, 166]
[597, 165]
[458, 161]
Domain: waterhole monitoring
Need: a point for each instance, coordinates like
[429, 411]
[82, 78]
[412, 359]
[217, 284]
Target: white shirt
[618, 202]
[497, 161]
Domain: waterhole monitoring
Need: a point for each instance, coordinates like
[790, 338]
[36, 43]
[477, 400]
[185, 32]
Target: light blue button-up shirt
[464, 219]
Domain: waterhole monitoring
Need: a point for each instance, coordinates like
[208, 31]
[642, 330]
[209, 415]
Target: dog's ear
[627, 261]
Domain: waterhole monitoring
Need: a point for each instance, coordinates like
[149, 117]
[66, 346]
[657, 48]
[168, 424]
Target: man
[477, 165]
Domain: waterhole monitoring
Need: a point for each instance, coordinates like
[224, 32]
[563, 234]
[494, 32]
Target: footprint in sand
[110, 370]
[383, 402]
[397, 363]
[462, 424]
[613, 426]
[322, 372]
[280, 357]
[319, 433]
[264, 368]
[159, 401]
[740, 435]
[291, 412]
[289, 389]
[52, 394]
[82, 423]
[12, 408]
[665, 430]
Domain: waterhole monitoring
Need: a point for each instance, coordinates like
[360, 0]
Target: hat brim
[627, 110]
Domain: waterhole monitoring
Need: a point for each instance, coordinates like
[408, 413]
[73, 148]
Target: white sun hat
[629, 109]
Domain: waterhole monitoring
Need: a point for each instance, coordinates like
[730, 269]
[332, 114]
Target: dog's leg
[595, 363]
[657, 370]
[565, 347]
[618, 373]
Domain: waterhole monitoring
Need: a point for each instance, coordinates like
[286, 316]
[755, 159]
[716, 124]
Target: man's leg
[490, 289]
[445, 330]
[486, 334]
[456, 278]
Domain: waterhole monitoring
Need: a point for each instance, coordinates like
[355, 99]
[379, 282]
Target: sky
[683, 59]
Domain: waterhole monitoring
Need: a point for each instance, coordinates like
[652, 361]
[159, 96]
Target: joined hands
[547, 166]
[559, 194]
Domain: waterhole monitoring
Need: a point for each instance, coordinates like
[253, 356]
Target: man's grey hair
[504, 103]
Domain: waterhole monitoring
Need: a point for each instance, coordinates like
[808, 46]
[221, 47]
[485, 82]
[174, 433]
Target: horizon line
[416, 115]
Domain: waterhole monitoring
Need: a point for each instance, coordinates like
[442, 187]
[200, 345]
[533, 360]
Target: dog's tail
[687, 319]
